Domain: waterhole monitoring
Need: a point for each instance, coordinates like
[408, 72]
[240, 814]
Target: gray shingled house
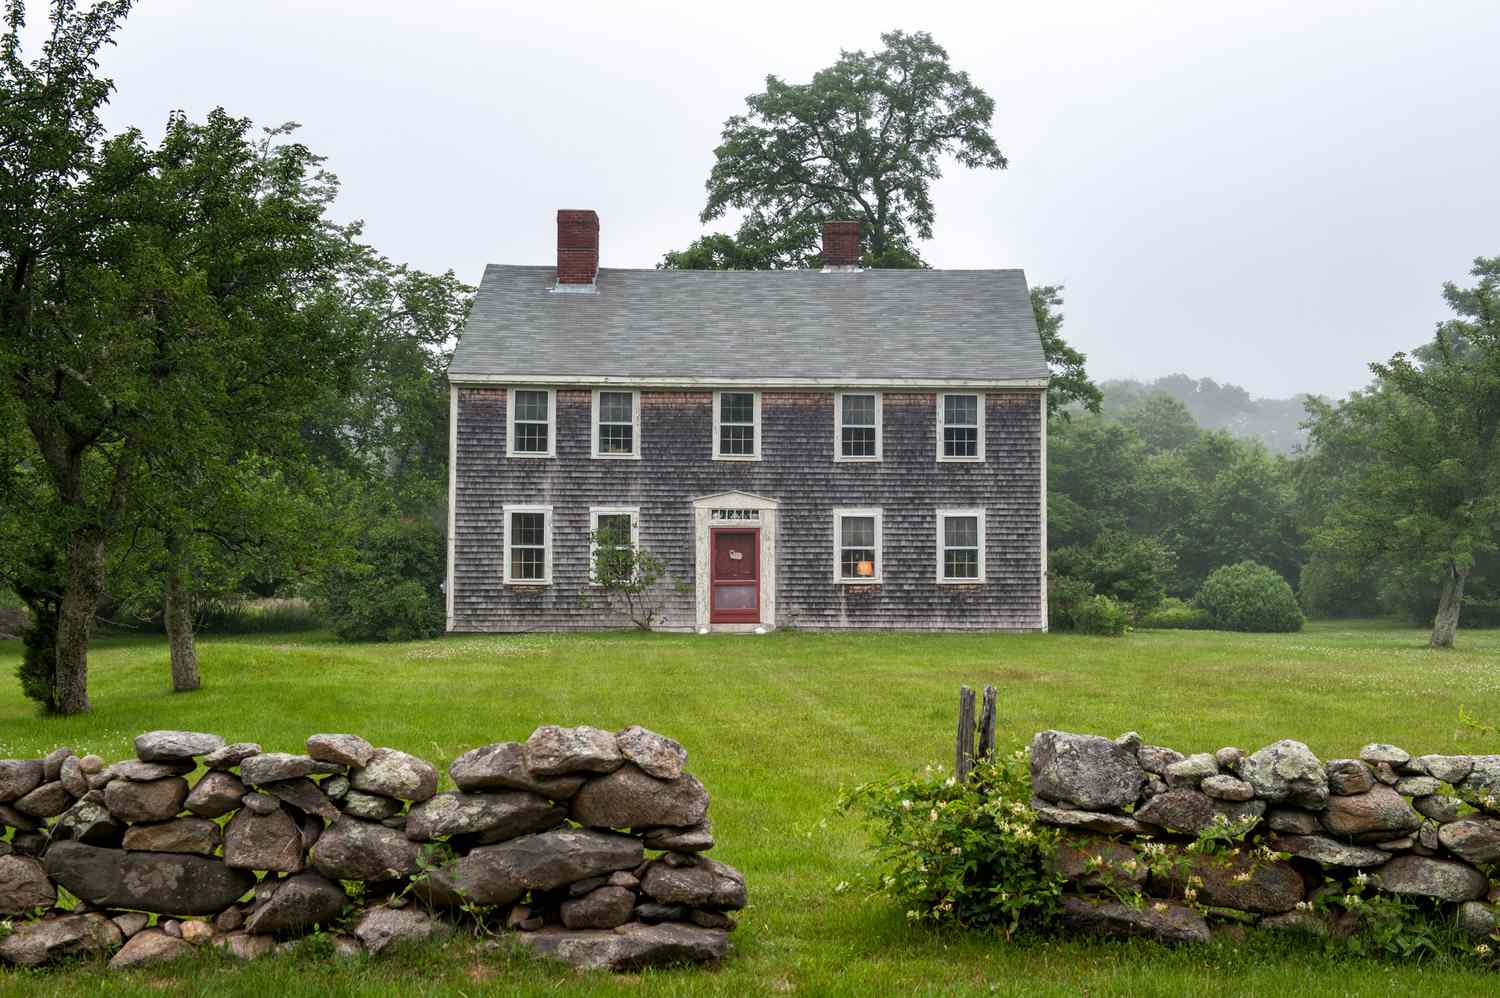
[835, 448]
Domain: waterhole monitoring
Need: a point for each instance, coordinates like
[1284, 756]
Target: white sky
[1269, 194]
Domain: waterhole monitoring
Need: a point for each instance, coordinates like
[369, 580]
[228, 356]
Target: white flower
[906, 805]
[842, 886]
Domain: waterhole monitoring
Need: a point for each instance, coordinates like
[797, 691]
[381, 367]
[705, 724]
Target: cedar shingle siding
[797, 469]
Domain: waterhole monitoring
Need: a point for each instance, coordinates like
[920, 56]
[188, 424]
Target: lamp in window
[865, 568]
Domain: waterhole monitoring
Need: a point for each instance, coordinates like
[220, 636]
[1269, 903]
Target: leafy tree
[1070, 384]
[1163, 423]
[1129, 568]
[1249, 597]
[388, 587]
[629, 576]
[1417, 477]
[864, 140]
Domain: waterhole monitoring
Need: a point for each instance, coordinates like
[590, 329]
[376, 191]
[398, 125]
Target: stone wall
[1295, 833]
[589, 844]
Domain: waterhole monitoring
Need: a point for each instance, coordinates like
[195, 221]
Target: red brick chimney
[840, 244]
[577, 246]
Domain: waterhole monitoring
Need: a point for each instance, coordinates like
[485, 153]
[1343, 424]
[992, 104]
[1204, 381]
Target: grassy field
[775, 725]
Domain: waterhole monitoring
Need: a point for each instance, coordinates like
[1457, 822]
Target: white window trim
[838, 428]
[510, 422]
[944, 514]
[635, 530]
[635, 427]
[546, 580]
[942, 404]
[839, 513]
[718, 408]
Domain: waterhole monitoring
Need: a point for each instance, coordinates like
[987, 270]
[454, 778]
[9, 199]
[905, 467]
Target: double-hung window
[528, 545]
[613, 532]
[857, 430]
[531, 417]
[960, 427]
[857, 536]
[960, 545]
[617, 424]
[736, 426]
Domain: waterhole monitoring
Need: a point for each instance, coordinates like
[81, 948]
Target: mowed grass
[775, 725]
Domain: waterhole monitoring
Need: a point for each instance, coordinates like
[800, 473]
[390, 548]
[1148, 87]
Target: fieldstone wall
[588, 844]
[1421, 827]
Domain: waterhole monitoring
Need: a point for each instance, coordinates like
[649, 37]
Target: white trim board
[632, 381]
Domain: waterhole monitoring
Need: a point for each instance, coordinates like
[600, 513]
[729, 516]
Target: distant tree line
[1277, 423]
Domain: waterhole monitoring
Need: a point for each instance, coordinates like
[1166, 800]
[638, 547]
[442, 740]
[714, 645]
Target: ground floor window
[614, 531]
[528, 545]
[857, 542]
[960, 545]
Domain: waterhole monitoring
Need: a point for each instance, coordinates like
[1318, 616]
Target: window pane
[859, 531]
[617, 439]
[736, 440]
[736, 407]
[531, 438]
[960, 410]
[528, 529]
[859, 410]
[960, 441]
[855, 563]
[528, 563]
[961, 564]
[614, 407]
[960, 531]
[736, 597]
[616, 523]
[859, 442]
[531, 405]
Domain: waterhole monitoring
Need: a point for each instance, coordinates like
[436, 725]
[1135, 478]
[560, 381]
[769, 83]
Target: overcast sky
[1269, 194]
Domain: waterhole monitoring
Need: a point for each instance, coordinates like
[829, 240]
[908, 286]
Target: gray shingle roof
[851, 327]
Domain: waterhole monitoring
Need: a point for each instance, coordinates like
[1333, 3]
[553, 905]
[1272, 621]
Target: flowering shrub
[970, 853]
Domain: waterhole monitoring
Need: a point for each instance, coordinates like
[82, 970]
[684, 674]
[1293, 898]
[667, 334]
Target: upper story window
[528, 545]
[960, 545]
[960, 427]
[531, 417]
[736, 426]
[617, 424]
[857, 545]
[857, 430]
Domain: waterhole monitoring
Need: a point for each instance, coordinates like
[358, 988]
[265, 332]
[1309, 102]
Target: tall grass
[257, 616]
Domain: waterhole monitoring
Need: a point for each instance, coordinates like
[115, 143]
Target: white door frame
[731, 509]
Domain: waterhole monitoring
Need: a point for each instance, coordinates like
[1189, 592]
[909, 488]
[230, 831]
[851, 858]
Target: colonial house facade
[843, 448]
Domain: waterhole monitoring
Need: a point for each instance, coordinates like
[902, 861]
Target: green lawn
[775, 725]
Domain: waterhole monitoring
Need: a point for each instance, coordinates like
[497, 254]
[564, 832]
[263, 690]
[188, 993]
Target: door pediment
[735, 499]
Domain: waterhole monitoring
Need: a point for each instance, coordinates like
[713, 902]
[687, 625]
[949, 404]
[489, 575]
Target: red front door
[734, 578]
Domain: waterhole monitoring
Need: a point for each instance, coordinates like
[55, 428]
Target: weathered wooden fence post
[964, 752]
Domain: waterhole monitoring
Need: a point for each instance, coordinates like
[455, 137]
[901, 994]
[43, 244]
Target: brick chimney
[577, 246]
[840, 245]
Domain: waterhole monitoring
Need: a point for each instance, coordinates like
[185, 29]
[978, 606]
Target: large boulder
[1483, 779]
[1476, 840]
[299, 903]
[628, 798]
[19, 777]
[271, 767]
[706, 884]
[32, 944]
[1445, 880]
[370, 807]
[168, 883]
[194, 835]
[601, 908]
[395, 774]
[1244, 882]
[657, 755]
[143, 772]
[152, 800]
[632, 946]
[1085, 771]
[1190, 811]
[24, 886]
[215, 795]
[1191, 770]
[72, 776]
[174, 746]
[1448, 768]
[1097, 863]
[148, 947]
[360, 850]
[499, 874]
[1287, 771]
[498, 816]
[1172, 923]
[1378, 812]
[557, 751]
[1349, 776]
[344, 750]
[46, 801]
[271, 842]
[88, 821]
[502, 766]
